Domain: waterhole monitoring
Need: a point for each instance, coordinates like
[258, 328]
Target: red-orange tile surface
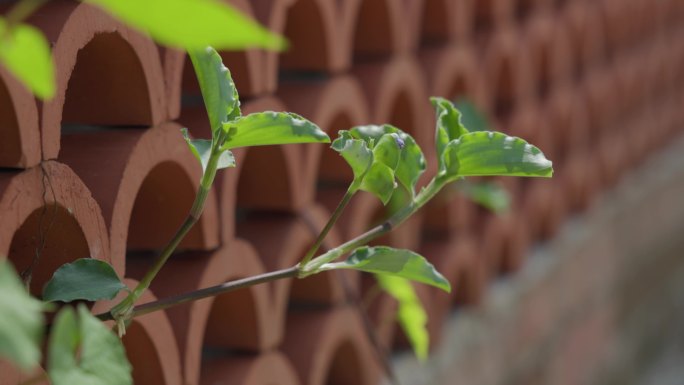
[102, 171]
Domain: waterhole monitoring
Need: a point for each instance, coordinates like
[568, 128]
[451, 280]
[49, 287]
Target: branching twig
[206, 292]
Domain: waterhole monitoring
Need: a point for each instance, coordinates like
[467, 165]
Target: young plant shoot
[383, 159]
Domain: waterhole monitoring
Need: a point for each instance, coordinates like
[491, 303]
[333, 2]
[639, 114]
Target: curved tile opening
[345, 367]
[265, 181]
[49, 218]
[107, 86]
[504, 92]
[10, 136]
[328, 347]
[311, 28]
[48, 238]
[437, 23]
[143, 356]
[375, 30]
[232, 323]
[91, 48]
[271, 368]
[161, 204]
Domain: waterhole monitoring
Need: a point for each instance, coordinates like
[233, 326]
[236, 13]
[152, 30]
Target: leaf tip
[436, 100]
[281, 44]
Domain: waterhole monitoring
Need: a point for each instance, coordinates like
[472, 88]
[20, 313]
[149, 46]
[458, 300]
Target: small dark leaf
[399, 262]
[84, 279]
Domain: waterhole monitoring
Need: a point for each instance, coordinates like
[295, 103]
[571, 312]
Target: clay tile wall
[102, 170]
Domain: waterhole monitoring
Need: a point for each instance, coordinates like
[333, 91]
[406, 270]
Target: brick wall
[102, 171]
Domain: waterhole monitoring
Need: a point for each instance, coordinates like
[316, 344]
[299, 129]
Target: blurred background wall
[579, 282]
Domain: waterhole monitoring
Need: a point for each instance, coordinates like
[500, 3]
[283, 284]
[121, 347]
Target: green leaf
[201, 149]
[82, 351]
[411, 315]
[372, 133]
[411, 164]
[25, 52]
[379, 180]
[493, 153]
[487, 194]
[220, 96]
[471, 116]
[387, 151]
[226, 160]
[84, 279]
[399, 200]
[21, 320]
[269, 128]
[398, 262]
[448, 126]
[356, 152]
[192, 24]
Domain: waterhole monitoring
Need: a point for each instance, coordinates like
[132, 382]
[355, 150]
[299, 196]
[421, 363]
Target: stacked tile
[102, 171]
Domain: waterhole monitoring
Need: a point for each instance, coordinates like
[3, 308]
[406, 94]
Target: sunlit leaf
[201, 149]
[410, 314]
[269, 128]
[399, 200]
[448, 126]
[192, 24]
[387, 151]
[372, 133]
[25, 52]
[411, 165]
[220, 96]
[355, 151]
[379, 180]
[379, 138]
[399, 262]
[82, 351]
[493, 153]
[21, 321]
[84, 279]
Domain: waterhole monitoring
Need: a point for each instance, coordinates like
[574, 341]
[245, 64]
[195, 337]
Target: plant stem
[395, 220]
[206, 292]
[126, 310]
[331, 222]
[123, 309]
[21, 11]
